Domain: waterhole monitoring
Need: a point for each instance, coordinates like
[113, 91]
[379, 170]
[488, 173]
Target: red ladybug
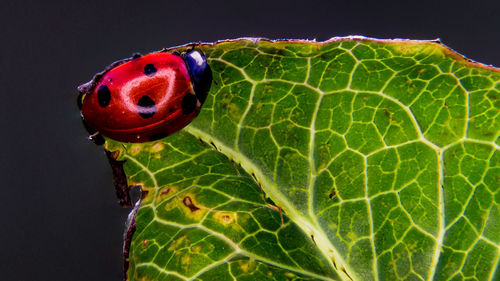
[145, 98]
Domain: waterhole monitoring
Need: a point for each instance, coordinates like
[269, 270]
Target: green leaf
[383, 156]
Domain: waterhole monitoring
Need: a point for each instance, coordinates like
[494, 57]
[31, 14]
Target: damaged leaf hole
[137, 193]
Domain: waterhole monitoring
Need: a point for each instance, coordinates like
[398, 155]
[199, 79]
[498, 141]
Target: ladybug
[145, 97]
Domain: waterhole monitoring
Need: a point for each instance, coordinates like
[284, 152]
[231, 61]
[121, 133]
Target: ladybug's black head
[200, 73]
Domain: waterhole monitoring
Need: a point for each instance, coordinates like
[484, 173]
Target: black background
[59, 217]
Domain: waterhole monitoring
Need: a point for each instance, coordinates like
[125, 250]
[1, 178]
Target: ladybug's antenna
[193, 45]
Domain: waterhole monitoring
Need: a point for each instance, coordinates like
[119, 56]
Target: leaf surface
[382, 155]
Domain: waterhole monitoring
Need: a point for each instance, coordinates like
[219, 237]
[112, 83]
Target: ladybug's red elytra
[145, 98]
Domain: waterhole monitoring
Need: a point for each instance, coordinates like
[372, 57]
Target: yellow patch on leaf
[185, 262]
[135, 149]
[157, 147]
[179, 243]
[196, 249]
[246, 266]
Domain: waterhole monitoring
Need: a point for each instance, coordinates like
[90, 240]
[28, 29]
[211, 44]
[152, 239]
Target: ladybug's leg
[97, 138]
[136, 55]
[193, 45]
[94, 135]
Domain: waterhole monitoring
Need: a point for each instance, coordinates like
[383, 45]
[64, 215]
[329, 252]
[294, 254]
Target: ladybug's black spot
[146, 107]
[189, 103]
[158, 136]
[103, 95]
[149, 70]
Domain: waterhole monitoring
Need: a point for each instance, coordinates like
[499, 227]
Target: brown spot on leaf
[332, 194]
[235, 167]
[225, 218]
[119, 179]
[260, 187]
[144, 193]
[345, 271]
[127, 241]
[189, 203]
[314, 241]
[115, 154]
[165, 193]
[213, 144]
[334, 263]
[145, 243]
